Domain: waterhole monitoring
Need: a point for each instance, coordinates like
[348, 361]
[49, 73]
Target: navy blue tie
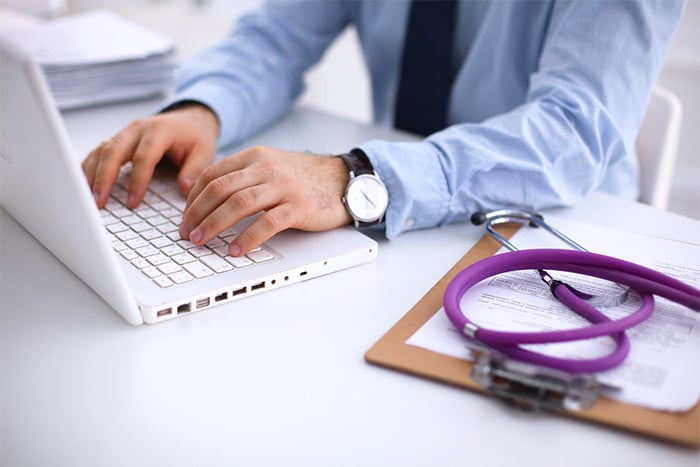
[426, 72]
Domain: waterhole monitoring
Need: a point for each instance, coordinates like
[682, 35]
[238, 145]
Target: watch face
[366, 198]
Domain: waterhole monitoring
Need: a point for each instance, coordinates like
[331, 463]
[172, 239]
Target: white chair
[657, 147]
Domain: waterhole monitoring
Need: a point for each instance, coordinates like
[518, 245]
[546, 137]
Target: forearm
[251, 78]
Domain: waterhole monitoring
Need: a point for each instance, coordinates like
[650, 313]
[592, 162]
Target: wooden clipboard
[393, 352]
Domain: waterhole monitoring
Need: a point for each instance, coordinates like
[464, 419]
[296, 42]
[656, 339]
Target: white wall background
[339, 84]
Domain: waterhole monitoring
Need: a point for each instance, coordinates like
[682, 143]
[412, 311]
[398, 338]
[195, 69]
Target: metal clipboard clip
[534, 388]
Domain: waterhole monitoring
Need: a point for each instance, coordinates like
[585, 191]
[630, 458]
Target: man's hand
[186, 135]
[295, 190]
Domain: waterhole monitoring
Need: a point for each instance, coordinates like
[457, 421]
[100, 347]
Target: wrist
[197, 110]
[365, 198]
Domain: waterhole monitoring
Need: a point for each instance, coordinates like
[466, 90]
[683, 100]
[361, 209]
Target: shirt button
[409, 223]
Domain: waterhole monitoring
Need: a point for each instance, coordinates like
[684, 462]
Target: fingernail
[131, 199]
[196, 235]
[96, 195]
[234, 249]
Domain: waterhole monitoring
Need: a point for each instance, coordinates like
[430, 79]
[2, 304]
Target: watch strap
[357, 162]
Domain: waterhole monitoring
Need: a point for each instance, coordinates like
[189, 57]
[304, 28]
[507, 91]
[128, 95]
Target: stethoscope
[644, 281]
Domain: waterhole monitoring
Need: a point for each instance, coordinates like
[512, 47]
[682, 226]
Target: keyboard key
[199, 251]
[221, 250]
[228, 232]
[163, 281]
[129, 254]
[160, 242]
[170, 212]
[120, 194]
[140, 263]
[172, 250]
[151, 272]
[216, 263]
[147, 250]
[158, 259]
[183, 258]
[151, 199]
[186, 244]
[132, 219]
[181, 277]
[175, 198]
[238, 262]
[112, 205]
[109, 219]
[169, 268]
[157, 220]
[260, 256]
[169, 227]
[141, 227]
[144, 211]
[127, 235]
[137, 242]
[198, 270]
[121, 211]
[117, 227]
[159, 205]
[215, 242]
[119, 246]
[151, 234]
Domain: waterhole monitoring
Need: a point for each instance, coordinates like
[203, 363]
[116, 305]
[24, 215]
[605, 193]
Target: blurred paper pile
[98, 57]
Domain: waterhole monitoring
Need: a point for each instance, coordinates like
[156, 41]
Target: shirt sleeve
[251, 78]
[574, 133]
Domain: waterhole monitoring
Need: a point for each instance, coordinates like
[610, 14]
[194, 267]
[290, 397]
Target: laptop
[134, 259]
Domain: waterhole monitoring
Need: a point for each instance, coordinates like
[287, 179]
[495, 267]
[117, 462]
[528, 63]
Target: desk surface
[278, 378]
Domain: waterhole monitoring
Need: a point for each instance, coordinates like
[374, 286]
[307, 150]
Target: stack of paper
[98, 57]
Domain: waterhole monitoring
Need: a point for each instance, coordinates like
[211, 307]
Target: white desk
[278, 378]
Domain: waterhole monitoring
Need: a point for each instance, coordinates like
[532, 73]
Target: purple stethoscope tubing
[646, 282]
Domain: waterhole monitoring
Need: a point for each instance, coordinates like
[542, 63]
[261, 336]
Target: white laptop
[134, 259]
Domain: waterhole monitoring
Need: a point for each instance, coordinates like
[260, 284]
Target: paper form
[662, 371]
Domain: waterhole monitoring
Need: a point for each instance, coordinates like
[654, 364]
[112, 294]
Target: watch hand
[368, 200]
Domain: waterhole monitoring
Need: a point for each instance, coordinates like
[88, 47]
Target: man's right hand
[187, 135]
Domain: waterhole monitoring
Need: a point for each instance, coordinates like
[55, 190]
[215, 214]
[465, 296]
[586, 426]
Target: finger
[111, 155]
[193, 167]
[209, 174]
[216, 193]
[89, 165]
[262, 229]
[219, 216]
[146, 156]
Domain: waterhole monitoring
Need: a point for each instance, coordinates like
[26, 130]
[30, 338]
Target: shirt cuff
[414, 177]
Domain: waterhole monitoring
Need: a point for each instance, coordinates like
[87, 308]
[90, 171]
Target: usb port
[240, 291]
[260, 285]
[221, 297]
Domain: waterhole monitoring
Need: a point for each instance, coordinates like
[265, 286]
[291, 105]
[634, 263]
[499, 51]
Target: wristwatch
[366, 197]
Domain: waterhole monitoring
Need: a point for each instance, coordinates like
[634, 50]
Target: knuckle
[258, 150]
[217, 187]
[208, 174]
[242, 200]
[276, 220]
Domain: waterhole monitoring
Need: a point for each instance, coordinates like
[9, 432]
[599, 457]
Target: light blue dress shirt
[545, 106]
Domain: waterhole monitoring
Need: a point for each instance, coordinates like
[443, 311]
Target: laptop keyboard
[148, 237]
